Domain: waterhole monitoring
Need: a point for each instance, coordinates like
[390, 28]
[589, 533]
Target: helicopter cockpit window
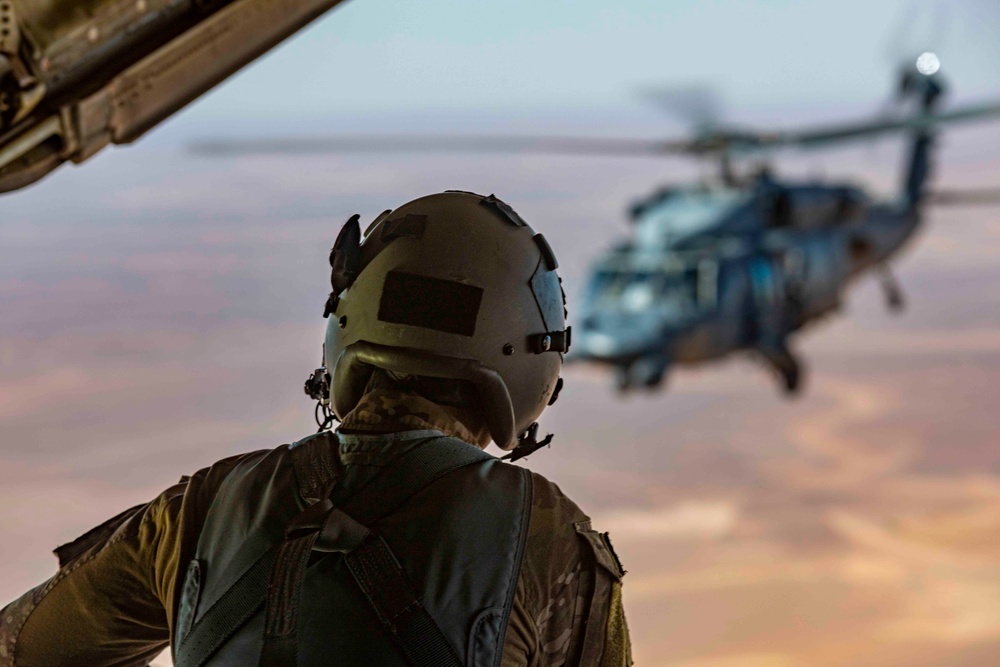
[605, 283]
[640, 291]
[679, 292]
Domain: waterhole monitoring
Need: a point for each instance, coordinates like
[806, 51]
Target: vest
[455, 530]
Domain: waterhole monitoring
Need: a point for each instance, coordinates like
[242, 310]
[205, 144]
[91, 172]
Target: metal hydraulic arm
[76, 75]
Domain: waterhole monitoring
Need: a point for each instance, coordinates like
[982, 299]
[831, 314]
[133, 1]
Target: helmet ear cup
[357, 361]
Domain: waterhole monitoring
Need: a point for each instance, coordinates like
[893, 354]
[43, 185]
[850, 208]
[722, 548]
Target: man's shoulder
[566, 576]
[552, 549]
[551, 508]
[233, 473]
[237, 465]
[561, 538]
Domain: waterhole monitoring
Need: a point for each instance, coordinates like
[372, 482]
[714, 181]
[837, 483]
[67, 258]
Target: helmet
[453, 285]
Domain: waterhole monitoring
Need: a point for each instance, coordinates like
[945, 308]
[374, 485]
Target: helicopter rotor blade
[698, 106]
[317, 145]
[837, 133]
[972, 197]
[718, 143]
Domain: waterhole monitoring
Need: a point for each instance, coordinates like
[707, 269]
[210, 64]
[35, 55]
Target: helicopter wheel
[895, 301]
[654, 383]
[623, 379]
[894, 298]
[647, 372]
[792, 378]
[786, 366]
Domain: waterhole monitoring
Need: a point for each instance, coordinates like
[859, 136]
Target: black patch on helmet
[430, 303]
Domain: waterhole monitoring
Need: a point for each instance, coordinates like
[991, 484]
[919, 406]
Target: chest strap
[276, 578]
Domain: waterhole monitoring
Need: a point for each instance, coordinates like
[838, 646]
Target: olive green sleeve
[568, 605]
[617, 645]
[109, 602]
[527, 645]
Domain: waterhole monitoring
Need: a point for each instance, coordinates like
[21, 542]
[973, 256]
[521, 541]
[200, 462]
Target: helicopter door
[768, 295]
[707, 291]
[768, 287]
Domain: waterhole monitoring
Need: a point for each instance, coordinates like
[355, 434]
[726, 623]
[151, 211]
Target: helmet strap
[528, 443]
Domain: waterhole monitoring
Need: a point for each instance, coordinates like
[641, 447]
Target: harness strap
[397, 605]
[407, 476]
[288, 572]
[244, 598]
[227, 615]
[276, 578]
[316, 464]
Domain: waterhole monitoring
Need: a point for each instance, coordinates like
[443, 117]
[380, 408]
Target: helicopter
[744, 264]
[737, 265]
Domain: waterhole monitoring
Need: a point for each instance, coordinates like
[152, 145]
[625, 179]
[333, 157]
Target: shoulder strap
[221, 621]
[316, 461]
[280, 586]
[316, 467]
[413, 472]
[397, 605]
[369, 559]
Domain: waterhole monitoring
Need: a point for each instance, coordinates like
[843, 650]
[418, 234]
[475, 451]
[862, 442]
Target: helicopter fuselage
[743, 266]
[709, 272]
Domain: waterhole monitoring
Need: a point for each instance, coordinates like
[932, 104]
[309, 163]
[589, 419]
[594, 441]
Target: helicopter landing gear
[643, 373]
[894, 299]
[623, 382]
[649, 372]
[787, 366]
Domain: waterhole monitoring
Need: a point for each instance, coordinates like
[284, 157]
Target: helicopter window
[707, 283]
[606, 283]
[639, 291]
[687, 213]
[681, 290]
[781, 210]
[677, 291]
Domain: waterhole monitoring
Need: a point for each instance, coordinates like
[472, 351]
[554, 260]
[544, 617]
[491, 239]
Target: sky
[379, 64]
[452, 53]
[159, 312]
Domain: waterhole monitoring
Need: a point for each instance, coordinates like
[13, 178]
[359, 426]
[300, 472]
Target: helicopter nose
[613, 338]
[597, 344]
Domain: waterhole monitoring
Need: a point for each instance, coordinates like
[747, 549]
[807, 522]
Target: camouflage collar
[363, 442]
[380, 449]
[393, 411]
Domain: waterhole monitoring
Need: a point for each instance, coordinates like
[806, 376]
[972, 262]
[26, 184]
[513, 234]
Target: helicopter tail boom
[927, 89]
